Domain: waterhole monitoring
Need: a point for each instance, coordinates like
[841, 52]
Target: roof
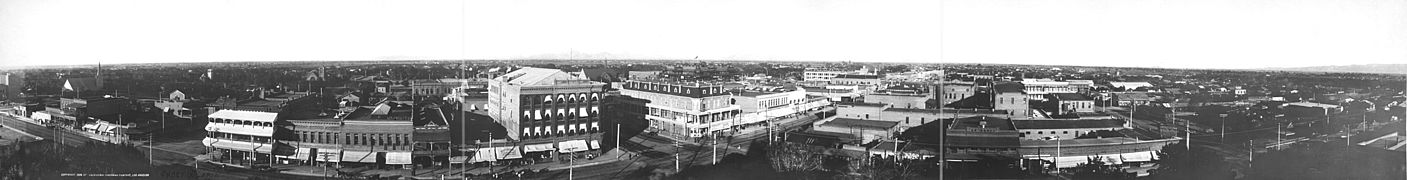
[1070, 97]
[1133, 97]
[1112, 141]
[1068, 124]
[857, 76]
[861, 104]
[976, 122]
[982, 141]
[1009, 87]
[537, 76]
[848, 122]
[245, 115]
[81, 84]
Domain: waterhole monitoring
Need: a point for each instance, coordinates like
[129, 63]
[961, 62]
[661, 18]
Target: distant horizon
[704, 60]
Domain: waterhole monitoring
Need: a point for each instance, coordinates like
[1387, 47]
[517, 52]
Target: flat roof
[983, 141]
[861, 104]
[849, 122]
[1068, 124]
[245, 115]
[1070, 97]
[857, 76]
[1088, 142]
[976, 122]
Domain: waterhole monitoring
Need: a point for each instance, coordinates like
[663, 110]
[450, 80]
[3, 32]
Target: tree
[1199, 163]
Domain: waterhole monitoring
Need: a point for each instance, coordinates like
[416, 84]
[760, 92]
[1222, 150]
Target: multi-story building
[373, 135]
[546, 105]
[1066, 129]
[949, 92]
[440, 87]
[857, 79]
[757, 107]
[1010, 97]
[242, 137]
[686, 111]
[11, 86]
[1037, 89]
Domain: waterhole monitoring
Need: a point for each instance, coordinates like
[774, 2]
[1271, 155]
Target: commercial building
[949, 92]
[546, 105]
[1070, 103]
[374, 135]
[440, 87]
[865, 130]
[759, 106]
[856, 79]
[242, 137]
[1132, 99]
[688, 111]
[1066, 129]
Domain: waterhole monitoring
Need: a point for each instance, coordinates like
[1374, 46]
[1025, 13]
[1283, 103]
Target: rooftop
[1068, 124]
[1070, 97]
[861, 104]
[245, 115]
[1133, 96]
[977, 122]
[857, 76]
[848, 122]
[1007, 87]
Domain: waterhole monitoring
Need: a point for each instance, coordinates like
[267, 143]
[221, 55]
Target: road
[72, 139]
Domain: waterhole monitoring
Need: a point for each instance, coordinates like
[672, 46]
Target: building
[1070, 103]
[12, 86]
[242, 137]
[837, 95]
[1010, 97]
[366, 135]
[1036, 89]
[759, 106]
[860, 110]
[1066, 129]
[1132, 99]
[826, 76]
[440, 87]
[857, 79]
[546, 105]
[1129, 86]
[688, 111]
[949, 92]
[865, 130]
[700, 72]
[898, 100]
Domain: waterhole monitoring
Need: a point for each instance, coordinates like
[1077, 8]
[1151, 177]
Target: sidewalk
[454, 173]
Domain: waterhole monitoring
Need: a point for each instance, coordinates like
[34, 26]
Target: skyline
[1142, 33]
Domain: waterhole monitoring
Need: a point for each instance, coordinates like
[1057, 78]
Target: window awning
[572, 146]
[538, 147]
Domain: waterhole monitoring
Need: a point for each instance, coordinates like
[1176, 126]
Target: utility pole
[676, 156]
[1278, 135]
[715, 148]
[1223, 127]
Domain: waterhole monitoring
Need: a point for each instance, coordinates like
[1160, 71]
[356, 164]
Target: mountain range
[1358, 68]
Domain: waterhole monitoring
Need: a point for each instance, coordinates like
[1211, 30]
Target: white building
[241, 136]
[686, 111]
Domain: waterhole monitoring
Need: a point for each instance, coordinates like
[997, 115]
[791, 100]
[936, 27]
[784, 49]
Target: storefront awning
[458, 159]
[595, 144]
[572, 146]
[90, 126]
[495, 153]
[538, 147]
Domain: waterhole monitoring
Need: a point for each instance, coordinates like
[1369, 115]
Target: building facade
[686, 111]
[547, 105]
[241, 137]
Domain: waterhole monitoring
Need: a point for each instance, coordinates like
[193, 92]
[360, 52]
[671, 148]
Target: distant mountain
[1362, 68]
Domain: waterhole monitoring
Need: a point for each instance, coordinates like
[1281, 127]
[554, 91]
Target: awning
[458, 159]
[495, 153]
[398, 158]
[595, 144]
[538, 147]
[109, 128]
[90, 126]
[572, 146]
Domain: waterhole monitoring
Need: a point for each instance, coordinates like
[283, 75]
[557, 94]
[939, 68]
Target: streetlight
[571, 162]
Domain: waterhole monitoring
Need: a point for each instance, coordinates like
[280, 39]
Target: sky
[1136, 33]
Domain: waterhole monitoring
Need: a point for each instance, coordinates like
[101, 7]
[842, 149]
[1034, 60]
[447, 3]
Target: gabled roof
[81, 84]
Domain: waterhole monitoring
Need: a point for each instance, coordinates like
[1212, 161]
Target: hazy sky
[1148, 33]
